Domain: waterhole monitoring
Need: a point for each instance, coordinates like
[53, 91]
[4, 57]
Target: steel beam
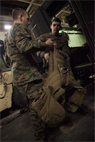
[29, 2]
[30, 5]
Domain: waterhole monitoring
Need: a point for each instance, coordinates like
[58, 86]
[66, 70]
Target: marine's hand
[49, 43]
[46, 56]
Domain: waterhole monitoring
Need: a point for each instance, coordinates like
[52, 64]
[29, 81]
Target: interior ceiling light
[7, 27]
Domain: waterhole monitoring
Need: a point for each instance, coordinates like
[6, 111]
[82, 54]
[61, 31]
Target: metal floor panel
[80, 126]
[20, 129]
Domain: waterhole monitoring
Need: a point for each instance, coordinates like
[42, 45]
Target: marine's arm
[25, 44]
[43, 54]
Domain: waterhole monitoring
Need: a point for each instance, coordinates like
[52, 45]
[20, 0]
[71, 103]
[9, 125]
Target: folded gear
[48, 109]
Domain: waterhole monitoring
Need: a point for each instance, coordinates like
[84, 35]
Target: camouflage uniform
[59, 39]
[60, 42]
[25, 74]
[6, 58]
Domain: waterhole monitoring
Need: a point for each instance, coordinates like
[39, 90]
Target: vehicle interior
[77, 19]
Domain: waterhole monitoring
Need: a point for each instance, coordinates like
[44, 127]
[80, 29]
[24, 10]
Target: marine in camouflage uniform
[62, 42]
[25, 74]
[71, 92]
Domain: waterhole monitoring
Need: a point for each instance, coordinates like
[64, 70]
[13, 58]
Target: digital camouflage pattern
[19, 46]
[39, 127]
[25, 74]
[61, 40]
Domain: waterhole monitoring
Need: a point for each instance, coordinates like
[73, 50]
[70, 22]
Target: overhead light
[7, 27]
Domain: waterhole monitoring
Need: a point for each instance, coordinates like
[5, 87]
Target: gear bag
[46, 102]
[48, 109]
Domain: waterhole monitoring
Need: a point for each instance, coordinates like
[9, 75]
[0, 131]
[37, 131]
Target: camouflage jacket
[19, 47]
[61, 41]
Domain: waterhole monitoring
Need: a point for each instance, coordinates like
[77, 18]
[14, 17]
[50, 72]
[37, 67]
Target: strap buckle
[65, 71]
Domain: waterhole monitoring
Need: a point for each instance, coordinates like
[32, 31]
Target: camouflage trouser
[39, 126]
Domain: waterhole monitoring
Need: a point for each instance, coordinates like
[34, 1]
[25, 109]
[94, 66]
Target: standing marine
[25, 74]
[65, 89]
